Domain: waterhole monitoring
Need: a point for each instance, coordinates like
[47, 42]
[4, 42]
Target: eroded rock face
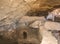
[11, 11]
[16, 9]
[54, 15]
[22, 6]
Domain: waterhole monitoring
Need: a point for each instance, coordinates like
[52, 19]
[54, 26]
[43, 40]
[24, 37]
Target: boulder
[52, 25]
[48, 38]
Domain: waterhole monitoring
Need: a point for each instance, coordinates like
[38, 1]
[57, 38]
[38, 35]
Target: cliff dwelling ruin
[29, 21]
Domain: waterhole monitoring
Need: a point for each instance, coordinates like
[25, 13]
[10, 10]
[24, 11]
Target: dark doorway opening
[24, 35]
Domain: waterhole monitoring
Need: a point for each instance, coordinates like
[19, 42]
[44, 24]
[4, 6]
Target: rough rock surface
[50, 31]
[11, 11]
[20, 7]
[52, 25]
[48, 38]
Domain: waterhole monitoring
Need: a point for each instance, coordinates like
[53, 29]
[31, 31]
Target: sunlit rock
[52, 25]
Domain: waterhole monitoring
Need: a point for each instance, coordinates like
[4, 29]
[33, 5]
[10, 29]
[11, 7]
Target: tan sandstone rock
[52, 25]
[48, 38]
